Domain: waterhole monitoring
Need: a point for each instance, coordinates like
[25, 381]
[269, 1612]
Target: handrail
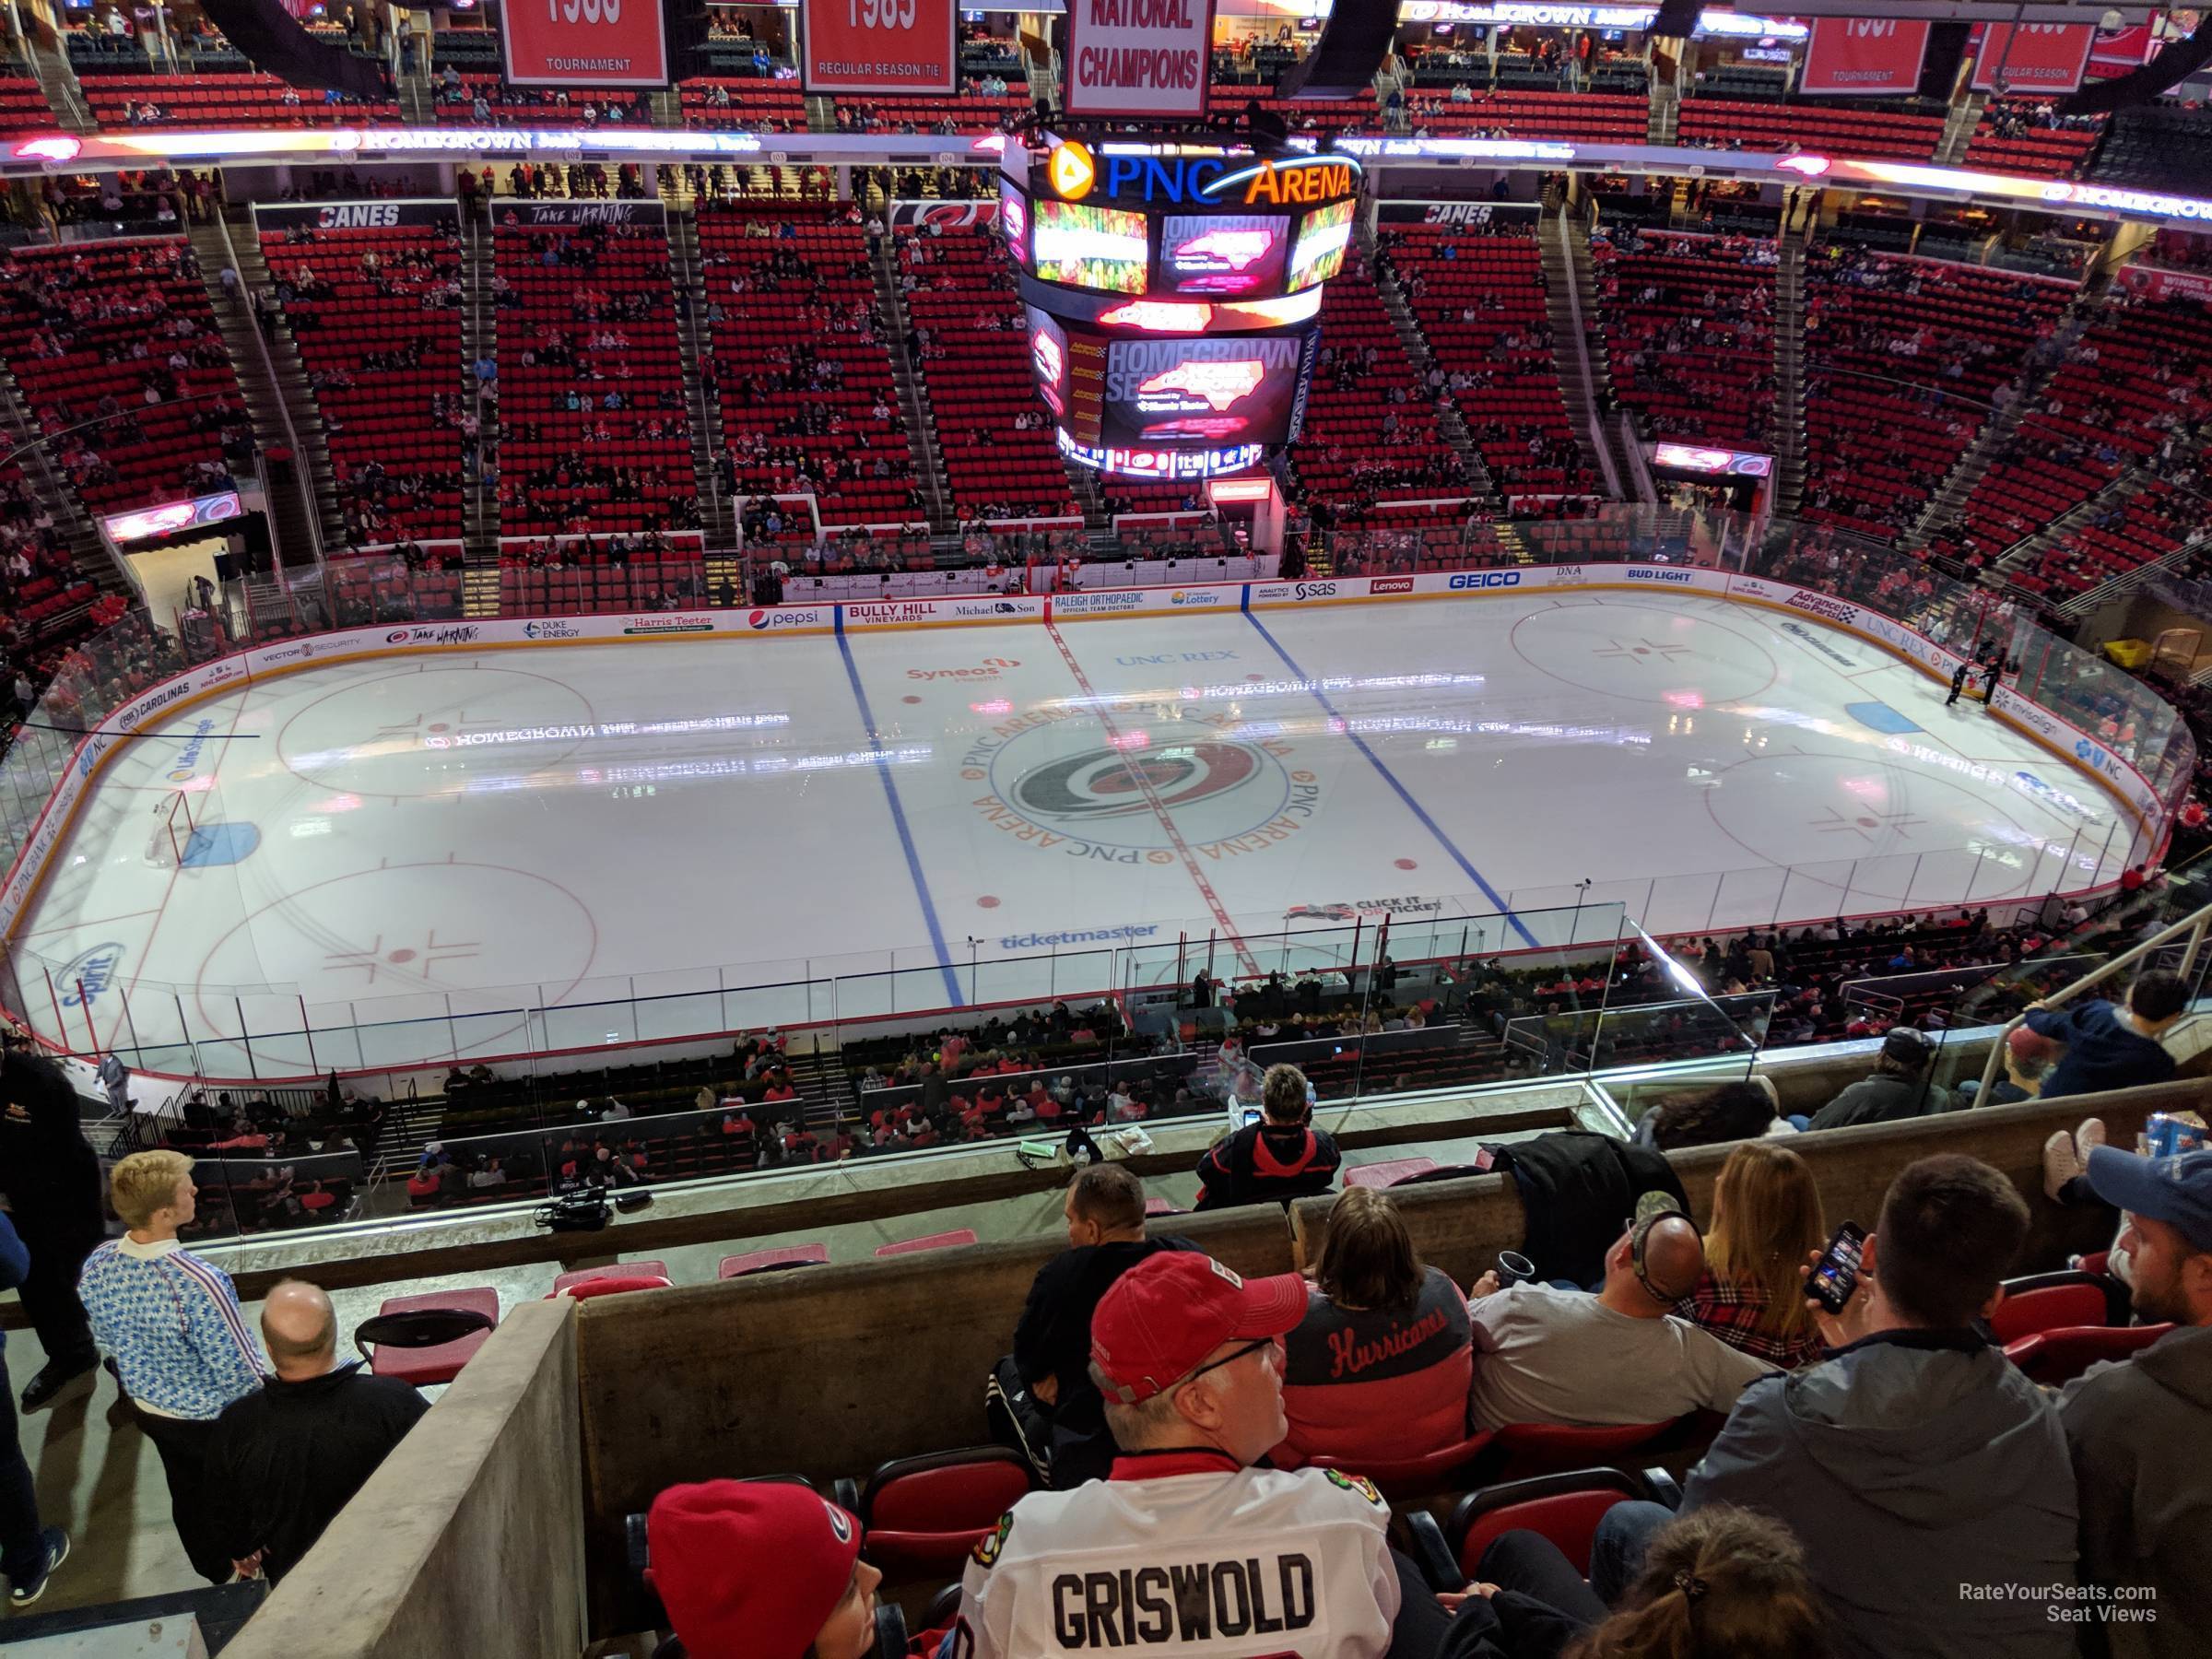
[304, 486]
[2194, 924]
[1594, 426]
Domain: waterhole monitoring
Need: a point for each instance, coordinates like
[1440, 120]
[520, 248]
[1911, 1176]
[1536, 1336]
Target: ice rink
[426, 846]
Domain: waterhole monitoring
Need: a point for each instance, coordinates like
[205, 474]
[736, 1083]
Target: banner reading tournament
[583, 44]
[1138, 58]
[1863, 57]
[878, 46]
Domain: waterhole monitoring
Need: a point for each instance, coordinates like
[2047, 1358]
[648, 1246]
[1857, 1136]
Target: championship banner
[583, 44]
[512, 212]
[1863, 57]
[878, 46]
[355, 216]
[2036, 58]
[2122, 52]
[1138, 58]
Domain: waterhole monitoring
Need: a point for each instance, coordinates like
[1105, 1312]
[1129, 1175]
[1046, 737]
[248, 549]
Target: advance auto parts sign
[1045, 779]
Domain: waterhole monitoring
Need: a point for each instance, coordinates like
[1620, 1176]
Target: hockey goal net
[175, 819]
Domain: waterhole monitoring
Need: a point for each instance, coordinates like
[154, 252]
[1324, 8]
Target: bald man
[1549, 1355]
[287, 1458]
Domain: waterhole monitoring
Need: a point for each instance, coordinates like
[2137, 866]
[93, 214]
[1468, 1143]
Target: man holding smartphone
[1927, 1477]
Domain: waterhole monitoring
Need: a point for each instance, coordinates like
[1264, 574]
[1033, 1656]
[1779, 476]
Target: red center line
[1159, 807]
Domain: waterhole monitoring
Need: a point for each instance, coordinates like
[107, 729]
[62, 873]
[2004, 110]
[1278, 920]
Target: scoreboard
[1171, 293]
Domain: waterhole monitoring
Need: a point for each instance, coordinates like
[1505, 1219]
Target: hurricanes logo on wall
[1110, 783]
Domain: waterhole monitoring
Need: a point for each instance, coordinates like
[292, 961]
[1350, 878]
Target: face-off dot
[987, 901]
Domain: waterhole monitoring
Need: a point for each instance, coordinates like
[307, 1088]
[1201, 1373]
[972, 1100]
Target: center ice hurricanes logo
[1165, 782]
[1109, 782]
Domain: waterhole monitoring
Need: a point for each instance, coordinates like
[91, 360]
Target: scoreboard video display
[1171, 293]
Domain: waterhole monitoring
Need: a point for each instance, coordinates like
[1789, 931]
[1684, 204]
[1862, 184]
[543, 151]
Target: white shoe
[2060, 1163]
[2091, 1133]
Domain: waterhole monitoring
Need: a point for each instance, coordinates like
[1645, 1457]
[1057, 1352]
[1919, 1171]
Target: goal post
[175, 819]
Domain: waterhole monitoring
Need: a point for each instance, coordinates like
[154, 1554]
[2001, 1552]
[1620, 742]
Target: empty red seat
[925, 1515]
[648, 1269]
[944, 1241]
[1564, 1507]
[442, 1362]
[1389, 1173]
[771, 1261]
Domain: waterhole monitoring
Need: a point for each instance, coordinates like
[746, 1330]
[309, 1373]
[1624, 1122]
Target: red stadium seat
[2063, 1353]
[1565, 1507]
[1389, 1173]
[924, 1514]
[617, 1284]
[471, 1314]
[1402, 1479]
[777, 1260]
[648, 1269]
[2046, 1301]
[944, 1241]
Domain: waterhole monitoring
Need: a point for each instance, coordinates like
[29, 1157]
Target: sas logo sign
[1647, 573]
[1391, 584]
[88, 976]
[1485, 579]
[552, 631]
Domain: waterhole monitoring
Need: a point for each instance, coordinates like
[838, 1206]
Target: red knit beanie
[749, 1570]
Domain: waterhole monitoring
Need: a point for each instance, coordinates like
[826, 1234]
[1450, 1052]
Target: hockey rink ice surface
[423, 846]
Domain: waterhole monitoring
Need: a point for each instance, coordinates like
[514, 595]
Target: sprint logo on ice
[87, 975]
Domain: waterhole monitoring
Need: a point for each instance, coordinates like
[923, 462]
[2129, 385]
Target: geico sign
[1486, 579]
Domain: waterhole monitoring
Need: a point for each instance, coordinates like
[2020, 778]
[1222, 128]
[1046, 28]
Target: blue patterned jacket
[173, 1324]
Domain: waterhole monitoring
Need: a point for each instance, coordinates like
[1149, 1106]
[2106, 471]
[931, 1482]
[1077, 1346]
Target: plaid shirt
[1735, 1311]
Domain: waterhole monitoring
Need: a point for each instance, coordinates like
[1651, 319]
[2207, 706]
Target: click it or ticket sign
[1138, 57]
[583, 44]
[877, 46]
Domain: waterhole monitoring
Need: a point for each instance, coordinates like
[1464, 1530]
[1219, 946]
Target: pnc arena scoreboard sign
[1171, 293]
[583, 44]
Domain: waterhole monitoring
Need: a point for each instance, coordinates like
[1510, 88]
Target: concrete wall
[470, 1538]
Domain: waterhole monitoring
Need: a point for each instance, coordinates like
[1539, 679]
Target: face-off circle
[421, 731]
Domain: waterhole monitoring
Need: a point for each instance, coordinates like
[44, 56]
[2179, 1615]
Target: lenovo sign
[1863, 57]
[584, 43]
[877, 46]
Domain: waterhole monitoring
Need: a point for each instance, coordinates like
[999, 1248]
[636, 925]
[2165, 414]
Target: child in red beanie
[762, 1570]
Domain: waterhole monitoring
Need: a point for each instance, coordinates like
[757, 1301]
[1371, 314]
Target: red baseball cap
[749, 1569]
[1167, 1313]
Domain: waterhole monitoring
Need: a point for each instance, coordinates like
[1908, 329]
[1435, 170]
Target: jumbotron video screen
[1171, 293]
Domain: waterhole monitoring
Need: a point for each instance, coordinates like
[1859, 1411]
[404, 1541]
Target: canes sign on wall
[1138, 57]
[1863, 57]
[584, 42]
[877, 46]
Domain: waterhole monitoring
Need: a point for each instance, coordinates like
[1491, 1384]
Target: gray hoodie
[2142, 1438]
[1929, 1483]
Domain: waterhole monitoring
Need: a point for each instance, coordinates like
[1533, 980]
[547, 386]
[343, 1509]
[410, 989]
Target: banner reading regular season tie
[2035, 57]
[584, 43]
[877, 46]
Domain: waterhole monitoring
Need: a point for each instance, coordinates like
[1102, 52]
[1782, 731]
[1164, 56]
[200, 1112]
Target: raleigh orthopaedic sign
[1138, 57]
[584, 43]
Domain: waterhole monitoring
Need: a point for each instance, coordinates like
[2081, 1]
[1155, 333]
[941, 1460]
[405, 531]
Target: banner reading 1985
[877, 46]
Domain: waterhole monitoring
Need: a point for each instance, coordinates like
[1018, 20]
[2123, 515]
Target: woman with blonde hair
[1380, 1364]
[1766, 1220]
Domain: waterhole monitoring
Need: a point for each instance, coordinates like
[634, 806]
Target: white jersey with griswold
[1229, 1564]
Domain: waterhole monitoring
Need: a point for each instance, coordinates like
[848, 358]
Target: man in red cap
[1185, 1547]
[762, 1570]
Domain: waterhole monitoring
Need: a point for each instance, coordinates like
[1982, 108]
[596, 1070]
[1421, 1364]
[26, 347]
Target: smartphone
[1251, 1116]
[1836, 1275]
